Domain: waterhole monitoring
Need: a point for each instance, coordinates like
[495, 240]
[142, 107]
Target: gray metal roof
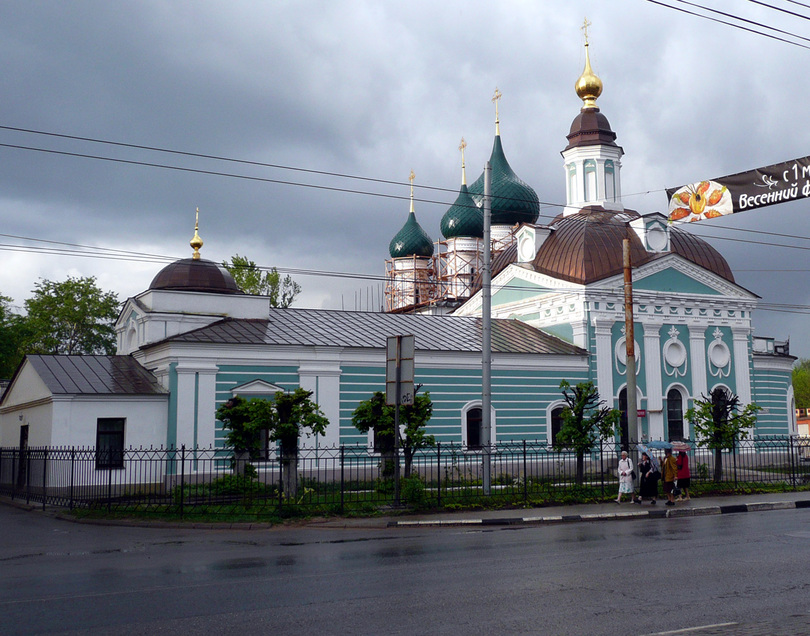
[94, 375]
[332, 328]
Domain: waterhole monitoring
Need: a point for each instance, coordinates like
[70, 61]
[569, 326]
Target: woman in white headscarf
[625, 471]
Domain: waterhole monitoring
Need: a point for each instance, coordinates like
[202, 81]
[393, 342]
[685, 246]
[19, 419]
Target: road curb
[673, 513]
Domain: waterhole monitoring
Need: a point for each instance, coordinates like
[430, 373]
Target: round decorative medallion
[719, 355]
[657, 238]
[675, 353]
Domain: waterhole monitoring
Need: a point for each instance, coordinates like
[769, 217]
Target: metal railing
[207, 481]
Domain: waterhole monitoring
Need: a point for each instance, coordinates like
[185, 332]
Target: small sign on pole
[399, 357]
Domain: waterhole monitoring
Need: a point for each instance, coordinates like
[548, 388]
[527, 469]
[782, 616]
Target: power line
[731, 24]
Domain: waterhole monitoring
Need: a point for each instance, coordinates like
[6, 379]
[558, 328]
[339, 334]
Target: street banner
[786, 181]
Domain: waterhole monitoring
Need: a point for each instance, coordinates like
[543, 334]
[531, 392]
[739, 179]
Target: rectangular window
[110, 442]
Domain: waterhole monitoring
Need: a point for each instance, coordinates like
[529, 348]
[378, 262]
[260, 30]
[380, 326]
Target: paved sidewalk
[582, 512]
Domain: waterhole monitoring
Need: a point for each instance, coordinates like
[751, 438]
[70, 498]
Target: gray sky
[374, 89]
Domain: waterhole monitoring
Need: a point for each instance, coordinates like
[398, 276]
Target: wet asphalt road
[630, 577]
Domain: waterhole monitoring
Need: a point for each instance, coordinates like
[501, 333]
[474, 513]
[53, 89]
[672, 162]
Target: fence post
[280, 476]
[439, 473]
[72, 470]
[342, 476]
[182, 478]
[525, 474]
[792, 465]
[602, 467]
[734, 458]
[44, 477]
[27, 476]
[109, 487]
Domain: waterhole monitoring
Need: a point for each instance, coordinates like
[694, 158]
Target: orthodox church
[566, 279]
[192, 340]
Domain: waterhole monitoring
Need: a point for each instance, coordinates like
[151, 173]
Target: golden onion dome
[588, 86]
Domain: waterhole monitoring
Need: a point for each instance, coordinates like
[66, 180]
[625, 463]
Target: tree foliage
[718, 423]
[284, 418]
[251, 279]
[585, 420]
[14, 332]
[801, 383]
[73, 316]
[375, 415]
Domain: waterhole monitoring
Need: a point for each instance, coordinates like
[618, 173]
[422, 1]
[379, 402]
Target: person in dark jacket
[648, 480]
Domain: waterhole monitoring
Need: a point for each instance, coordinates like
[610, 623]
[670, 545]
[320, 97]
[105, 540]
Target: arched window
[610, 181]
[472, 420]
[556, 423]
[591, 193]
[572, 183]
[473, 426]
[674, 415]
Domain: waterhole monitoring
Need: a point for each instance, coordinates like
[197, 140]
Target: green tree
[585, 420]
[801, 383]
[375, 415]
[14, 332]
[251, 279]
[245, 433]
[71, 317]
[284, 419]
[718, 423]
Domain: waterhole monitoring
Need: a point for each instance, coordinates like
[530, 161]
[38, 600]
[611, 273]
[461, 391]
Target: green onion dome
[411, 240]
[513, 200]
[463, 218]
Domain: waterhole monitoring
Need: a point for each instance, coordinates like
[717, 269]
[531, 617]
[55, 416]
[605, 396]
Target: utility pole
[486, 336]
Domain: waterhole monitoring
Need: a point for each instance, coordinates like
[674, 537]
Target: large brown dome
[587, 246]
[198, 275]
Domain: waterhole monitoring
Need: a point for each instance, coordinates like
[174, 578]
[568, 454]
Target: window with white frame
[110, 442]
[472, 435]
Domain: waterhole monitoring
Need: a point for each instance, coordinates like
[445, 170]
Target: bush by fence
[187, 482]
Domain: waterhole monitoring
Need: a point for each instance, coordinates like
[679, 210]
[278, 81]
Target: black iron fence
[184, 482]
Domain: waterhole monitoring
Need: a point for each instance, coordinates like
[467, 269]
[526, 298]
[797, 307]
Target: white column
[742, 371]
[186, 376]
[580, 330]
[652, 367]
[604, 360]
[323, 379]
[206, 407]
[697, 351]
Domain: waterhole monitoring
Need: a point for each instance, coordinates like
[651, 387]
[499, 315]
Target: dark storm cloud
[370, 89]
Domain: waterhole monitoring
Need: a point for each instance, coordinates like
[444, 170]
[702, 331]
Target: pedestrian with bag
[626, 477]
[669, 473]
[684, 476]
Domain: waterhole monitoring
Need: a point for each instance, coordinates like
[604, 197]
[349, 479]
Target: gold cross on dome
[411, 177]
[584, 28]
[497, 96]
[462, 146]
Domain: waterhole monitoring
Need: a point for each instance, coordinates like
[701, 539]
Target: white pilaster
[604, 359]
[697, 351]
[652, 367]
[742, 372]
[322, 377]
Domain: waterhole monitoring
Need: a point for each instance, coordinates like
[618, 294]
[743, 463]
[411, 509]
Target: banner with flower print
[786, 181]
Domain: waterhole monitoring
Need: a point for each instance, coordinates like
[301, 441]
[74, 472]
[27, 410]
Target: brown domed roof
[200, 275]
[590, 128]
[587, 246]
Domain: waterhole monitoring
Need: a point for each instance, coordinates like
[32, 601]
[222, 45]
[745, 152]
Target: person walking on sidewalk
[625, 471]
[669, 473]
[684, 476]
[648, 482]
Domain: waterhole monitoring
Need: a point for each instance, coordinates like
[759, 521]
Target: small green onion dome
[513, 200]
[463, 218]
[411, 240]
